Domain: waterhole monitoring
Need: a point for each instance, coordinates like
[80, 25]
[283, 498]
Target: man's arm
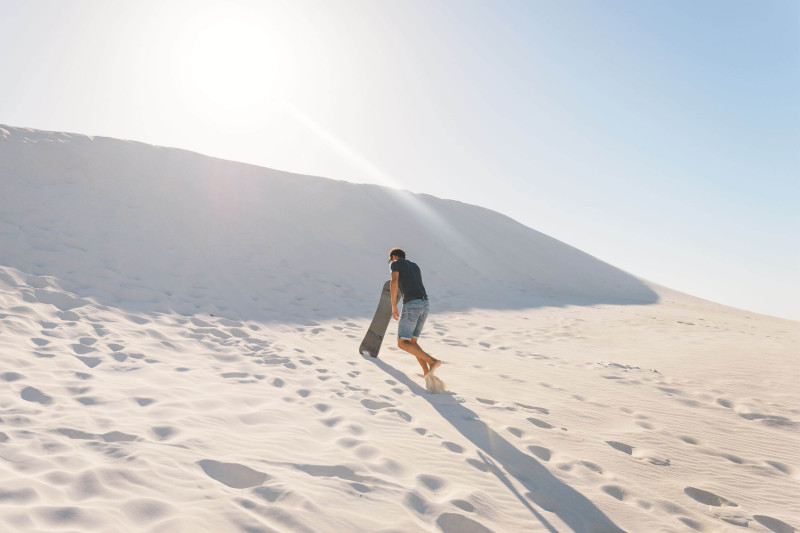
[393, 288]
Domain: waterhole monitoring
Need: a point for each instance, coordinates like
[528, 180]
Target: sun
[229, 58]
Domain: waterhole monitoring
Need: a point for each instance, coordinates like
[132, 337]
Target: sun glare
[234, 66]
[228, 60]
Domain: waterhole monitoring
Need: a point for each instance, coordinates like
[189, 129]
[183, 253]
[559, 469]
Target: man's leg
[425, 366]
[411, 322]
[427, 362]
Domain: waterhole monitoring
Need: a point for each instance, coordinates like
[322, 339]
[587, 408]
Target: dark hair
[398, 252]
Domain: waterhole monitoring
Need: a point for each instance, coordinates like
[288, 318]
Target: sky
[661, 137]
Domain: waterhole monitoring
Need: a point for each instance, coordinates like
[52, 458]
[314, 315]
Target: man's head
[396, 253]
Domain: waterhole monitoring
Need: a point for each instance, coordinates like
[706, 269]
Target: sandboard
[371, 344]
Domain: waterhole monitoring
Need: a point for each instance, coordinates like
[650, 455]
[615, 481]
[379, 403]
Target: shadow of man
[544, 489]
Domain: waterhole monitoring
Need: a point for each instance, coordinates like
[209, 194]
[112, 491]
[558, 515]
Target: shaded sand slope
[155, 229]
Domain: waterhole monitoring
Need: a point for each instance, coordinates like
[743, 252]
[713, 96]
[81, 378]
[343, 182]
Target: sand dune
[155, 229]
[179, 343]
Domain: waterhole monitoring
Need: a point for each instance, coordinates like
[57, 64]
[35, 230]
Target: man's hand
[395, 312]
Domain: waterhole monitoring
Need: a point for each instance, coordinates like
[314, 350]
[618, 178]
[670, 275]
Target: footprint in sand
[778, 526]
[620, 446]
[347, 442]
[366, 452]
[118, 436]
[374, 405]
[451, 446]
[232, 474]
[516, 432]
[419, 504]
[615, 491]
[32, 394]
[780, 467]
[540, 423]
[771, 420]
[591, 466]
[725, 403]
[708, 498]
[229, 375]
[694, 524]
[432, 483]
[331, 422]
[627, 449]
[88, 401]
[82, 349]
[732, 458]
[164, 432]
[541, 452]
[91, 362]
[463, 505]
[540, 410]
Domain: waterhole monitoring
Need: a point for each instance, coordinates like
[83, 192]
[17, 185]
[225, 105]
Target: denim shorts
[412, 319]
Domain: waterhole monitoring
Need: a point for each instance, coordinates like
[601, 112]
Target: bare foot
[437, 363]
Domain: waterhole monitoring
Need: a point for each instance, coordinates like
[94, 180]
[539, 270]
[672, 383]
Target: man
[407, 277]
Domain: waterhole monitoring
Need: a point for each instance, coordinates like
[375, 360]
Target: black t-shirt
[410, 282]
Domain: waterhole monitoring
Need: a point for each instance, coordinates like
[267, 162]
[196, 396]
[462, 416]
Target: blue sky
[662, 137]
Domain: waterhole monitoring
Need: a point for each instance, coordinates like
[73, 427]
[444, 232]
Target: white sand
[179, 344]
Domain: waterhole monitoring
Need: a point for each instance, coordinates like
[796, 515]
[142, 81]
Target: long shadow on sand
[504, 460]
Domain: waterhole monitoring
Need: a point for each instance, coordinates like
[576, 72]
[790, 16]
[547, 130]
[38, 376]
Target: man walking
[407, 277]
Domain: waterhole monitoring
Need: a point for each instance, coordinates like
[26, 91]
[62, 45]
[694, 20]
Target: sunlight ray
[413, 202]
